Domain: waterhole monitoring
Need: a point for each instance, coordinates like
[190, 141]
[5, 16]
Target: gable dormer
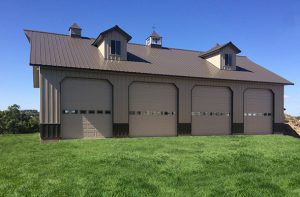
[112, 43]
[222, 56]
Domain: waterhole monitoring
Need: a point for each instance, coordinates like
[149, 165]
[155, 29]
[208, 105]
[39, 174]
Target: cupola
[154, 40]
[75, 31]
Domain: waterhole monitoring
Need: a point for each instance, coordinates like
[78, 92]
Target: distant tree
[31, 122]
[1, 122]
[13, 120]
[298, 117]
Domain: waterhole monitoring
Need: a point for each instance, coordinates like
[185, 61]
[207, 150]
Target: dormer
[112, 43]
[154, 40]
[222, 56]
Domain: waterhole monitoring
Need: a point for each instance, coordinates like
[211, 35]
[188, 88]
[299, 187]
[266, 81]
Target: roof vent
[75, 31]
[154, 40]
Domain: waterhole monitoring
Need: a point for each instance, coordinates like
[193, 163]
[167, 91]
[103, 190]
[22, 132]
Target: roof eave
[232, 45]
[97, 41]
[290, 83]
[114, 71]
[27, 35]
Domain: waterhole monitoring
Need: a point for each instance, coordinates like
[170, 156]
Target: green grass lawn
[179, 166]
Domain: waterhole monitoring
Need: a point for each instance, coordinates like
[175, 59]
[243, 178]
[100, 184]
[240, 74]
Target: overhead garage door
[86, 108]
[152, 109]
[211, 110]
[258, 117]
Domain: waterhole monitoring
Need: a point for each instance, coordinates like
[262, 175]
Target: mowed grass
[178, 166]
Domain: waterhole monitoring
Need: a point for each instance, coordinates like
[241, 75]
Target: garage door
[152, 109]
[86, 108]
[211, 110]
[258, 117]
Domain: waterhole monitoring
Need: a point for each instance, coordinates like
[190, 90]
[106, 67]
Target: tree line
[13, 120]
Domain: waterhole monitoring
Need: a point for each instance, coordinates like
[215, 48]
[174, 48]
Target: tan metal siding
[278, 104]
[184, 100]
[120, 98]
[120, 82]
[215, 60]
[237, 91]
[42, 100]
[50, 96]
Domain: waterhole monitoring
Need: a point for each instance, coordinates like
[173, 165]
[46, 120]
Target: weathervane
[153, 27]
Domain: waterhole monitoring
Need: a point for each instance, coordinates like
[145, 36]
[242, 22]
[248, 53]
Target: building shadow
[288, 130]
[238, 68]
[134, 58]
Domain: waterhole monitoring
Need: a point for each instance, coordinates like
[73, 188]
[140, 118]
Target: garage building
[108, 87]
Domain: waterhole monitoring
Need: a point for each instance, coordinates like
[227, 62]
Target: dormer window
[228, 60]
[222, 56]
[115, 47]
[112, 44]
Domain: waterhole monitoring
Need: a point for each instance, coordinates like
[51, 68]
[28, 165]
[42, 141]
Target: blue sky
[268, 32]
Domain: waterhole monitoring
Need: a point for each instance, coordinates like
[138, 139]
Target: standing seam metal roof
[50, 49]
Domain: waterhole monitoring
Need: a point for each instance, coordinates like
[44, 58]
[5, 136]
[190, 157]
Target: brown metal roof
[49, 49]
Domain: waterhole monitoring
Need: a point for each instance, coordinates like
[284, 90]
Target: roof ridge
[45, 32]
[187, 50]
[169, 48]
[128, 43]
[95, 38]
[82, 37]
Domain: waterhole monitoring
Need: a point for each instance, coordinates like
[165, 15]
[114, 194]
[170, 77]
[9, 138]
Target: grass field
[179, 166]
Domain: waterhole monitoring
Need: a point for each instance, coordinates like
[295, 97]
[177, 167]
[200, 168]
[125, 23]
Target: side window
[115, 47]
[118, 47]
[228, 60]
